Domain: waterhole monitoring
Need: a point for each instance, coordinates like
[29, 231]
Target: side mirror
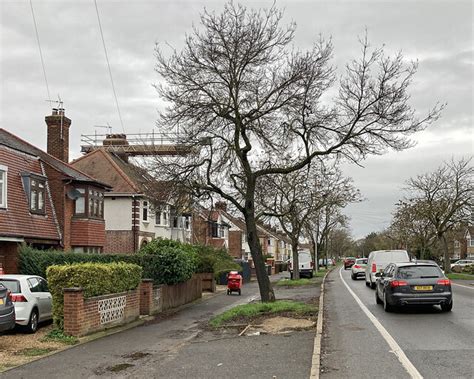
[378, 274]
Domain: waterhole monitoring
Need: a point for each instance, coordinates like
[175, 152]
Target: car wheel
[386, 306]
[372, 285]
[311, 275]
[291, 275]
[447, 307]
[353, 277]
[240, 292]
[32, 326]
[377, 298]
[367, 283]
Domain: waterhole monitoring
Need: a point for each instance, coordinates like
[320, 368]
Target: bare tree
[445, 198]
[251, 106]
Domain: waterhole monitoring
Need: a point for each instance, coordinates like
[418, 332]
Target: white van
[379, 259]
[305, 262]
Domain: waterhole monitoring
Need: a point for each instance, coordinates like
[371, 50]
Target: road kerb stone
[316, 359]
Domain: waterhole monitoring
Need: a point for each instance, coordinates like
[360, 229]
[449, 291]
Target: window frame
[98, 199]
[145, 211]
[35, 182]
[4, 187]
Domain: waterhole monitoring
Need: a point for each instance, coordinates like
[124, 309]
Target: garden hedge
[94, 278]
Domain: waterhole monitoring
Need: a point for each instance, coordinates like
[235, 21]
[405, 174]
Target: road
[425, 342]
[179, 347]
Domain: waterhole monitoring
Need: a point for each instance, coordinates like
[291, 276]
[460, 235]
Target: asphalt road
[437, 344]
[179, 347]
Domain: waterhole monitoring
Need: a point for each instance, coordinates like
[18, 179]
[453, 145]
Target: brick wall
[58, 136]
[235, 243]
[200, 231]
[82, 316]
[119, 241]
[151, 300]
[87, 232]
[9, 256]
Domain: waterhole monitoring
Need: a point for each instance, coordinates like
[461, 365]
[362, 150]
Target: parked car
[348, 262]
[379, 259]
[413, 283]
[305, 262]
[31, 297]
[330, 262]
[461, 264]
[7, 310]
[358, 268]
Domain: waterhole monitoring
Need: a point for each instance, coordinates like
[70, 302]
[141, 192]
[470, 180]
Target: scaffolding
[140, 144]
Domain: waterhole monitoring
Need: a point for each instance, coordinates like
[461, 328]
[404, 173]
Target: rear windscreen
[361, 261]
[12, 285]
[419, 272]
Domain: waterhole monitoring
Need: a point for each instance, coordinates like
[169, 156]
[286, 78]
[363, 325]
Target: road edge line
[316, 357]
[395, 348]
[462, 285]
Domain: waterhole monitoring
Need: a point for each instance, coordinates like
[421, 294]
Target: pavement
[182, 347]
[435, 343]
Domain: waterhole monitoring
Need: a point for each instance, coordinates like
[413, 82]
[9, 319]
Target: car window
[34, 285]
[43, 285]
[361, 261]
[419, 272]
[12, 285]
[388, 271]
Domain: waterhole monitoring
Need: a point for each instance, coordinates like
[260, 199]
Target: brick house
[464, 243]
[132, 217]
[44, 201]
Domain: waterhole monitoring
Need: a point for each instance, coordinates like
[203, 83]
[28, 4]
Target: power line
[41, 53]
[108, 65]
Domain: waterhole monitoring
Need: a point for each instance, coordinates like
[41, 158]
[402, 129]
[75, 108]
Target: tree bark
[444, 247]
[296, 261]
[264, 285]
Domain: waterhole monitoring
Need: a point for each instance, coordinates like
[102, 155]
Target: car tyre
[447, 307]
[372, 285]
[353, 277]
[32, 326]
[311, 274]
[377, 298]
[386, 306]
[240, 292]
[367, 283]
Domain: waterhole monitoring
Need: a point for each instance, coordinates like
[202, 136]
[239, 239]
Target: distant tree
[445, 198]
[248, 105]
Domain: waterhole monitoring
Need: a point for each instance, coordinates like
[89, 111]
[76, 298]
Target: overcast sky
[439, 34]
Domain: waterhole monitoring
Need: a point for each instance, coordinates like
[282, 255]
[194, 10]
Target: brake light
[356, 266]
[444, 282]
[312, 264]
[374, 267]
[19, 299]
[398, 283]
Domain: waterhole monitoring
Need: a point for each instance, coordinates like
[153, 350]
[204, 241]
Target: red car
[349, 262]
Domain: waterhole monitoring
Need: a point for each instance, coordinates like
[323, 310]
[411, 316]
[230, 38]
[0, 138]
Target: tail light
[398, 283]
[312, 264]
[356, 266]
[444, 282]
[19, 299]
[374, 267]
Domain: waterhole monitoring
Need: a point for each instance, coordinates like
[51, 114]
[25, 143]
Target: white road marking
[460, 285]
[395, 348]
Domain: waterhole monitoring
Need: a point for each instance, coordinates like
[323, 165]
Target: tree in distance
[249, 106]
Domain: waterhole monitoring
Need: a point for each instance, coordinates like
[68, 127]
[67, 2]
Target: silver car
[32, 299]
[7, 310]
[358, 268]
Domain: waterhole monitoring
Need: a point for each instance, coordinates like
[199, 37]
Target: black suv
[413, 283]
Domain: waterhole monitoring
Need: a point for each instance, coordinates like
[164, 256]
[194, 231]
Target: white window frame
[4, 184]
[145, 211]
[471, 242]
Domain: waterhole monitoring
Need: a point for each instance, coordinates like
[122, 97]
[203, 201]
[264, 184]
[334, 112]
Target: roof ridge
[119, 169]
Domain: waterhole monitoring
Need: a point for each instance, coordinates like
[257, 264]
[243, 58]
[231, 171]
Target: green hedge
[469, 269]
[94, 278]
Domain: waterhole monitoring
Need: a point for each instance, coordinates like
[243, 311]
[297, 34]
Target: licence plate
[423, 288]
[1, 301]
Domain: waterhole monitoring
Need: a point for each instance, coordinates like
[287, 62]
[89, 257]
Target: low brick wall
[83, 316]
[151, 299]
[182, 293]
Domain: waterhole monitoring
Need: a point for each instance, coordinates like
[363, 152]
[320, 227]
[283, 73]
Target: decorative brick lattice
[112, 309]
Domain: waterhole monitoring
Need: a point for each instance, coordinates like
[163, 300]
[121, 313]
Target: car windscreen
[11, 284]
[419, 272]
[361, 261]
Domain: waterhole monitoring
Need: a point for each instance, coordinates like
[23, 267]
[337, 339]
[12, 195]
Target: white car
[462, 263]
[305, 262]
[32, 299]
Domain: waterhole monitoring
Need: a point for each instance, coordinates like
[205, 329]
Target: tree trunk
[265, 287]
[444, 246]
[296, 261]
[314, 252]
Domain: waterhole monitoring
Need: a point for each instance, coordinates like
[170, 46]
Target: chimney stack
[117, 140]
[58, 134]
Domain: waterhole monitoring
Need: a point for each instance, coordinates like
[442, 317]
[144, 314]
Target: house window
[187, 222]
[145, 211]
[3, 187]
[457, 244]
[214, 230]
[161, 217]
[471, 242]
[89, 202]
[37, 195]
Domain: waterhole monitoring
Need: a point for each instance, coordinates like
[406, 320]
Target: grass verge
[321, 273]
[36, 351]
[295, 283]
[252, 310]
[454, 275]
[58, 336]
